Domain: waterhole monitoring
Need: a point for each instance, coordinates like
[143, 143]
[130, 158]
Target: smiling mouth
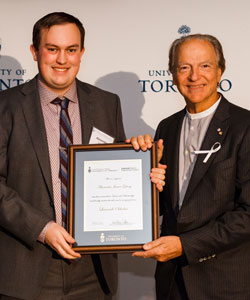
[60, 69]
[196, 86]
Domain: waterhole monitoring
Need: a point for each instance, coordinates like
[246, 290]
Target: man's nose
[194, 74]
[61, 57]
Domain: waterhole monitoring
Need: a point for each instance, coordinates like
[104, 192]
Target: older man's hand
[162, 249]
[157, 176]
[145, 142]
[141, 142]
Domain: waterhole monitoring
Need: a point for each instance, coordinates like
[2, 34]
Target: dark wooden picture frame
[102, 241]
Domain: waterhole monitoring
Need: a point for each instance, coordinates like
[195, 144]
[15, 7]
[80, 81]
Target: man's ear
[82, 52]
[174, 79]
[34, 52]
[219, 74]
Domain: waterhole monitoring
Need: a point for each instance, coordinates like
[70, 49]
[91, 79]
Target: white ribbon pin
[216, 147]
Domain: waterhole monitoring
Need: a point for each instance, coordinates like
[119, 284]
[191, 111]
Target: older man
[204, 250]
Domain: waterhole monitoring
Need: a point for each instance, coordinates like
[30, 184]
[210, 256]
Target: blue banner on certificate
[112, 204]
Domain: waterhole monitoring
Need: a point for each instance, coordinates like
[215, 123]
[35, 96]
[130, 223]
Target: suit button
[214, 255]
[201, 259]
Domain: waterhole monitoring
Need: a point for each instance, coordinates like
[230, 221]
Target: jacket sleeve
[18, 217]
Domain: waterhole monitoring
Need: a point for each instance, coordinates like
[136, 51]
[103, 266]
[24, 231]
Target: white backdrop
[127, 46]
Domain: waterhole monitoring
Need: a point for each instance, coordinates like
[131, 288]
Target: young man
[35, 256]
[204, 249]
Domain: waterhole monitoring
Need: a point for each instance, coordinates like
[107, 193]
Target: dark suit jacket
[26, 201]
[214, 220]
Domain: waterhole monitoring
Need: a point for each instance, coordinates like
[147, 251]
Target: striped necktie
[66, 139]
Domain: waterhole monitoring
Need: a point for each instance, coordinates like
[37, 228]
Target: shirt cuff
[41, 237]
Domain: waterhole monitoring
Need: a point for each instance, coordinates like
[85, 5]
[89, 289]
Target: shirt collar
[204, 113]
[46, 95]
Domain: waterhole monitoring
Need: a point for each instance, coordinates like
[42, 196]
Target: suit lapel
[172, 151]
[35, 123]
[86, 111]
[219, 123]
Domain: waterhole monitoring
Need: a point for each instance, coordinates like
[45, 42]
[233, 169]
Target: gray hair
[173, 51]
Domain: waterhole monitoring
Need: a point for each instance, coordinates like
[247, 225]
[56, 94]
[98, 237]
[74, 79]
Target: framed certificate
[112, 203]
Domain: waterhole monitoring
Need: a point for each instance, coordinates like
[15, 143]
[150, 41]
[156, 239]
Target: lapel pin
[219, 131]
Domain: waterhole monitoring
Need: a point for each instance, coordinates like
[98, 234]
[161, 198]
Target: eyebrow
[56, 46]
[200, 63]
